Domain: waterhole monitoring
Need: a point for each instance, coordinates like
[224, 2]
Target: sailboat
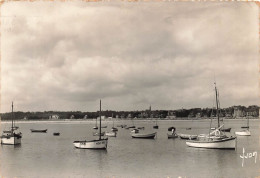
[113, 132]
[11, 137]
[215, 139]
[130, 127]
[100, 143]
[114, 129]
[156, 126]
[245, 132]
[95, 127]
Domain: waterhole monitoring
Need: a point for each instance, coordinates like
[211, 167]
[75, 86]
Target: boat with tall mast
[113, 129]
[245, 132]
[100, 143]
[95, 127]
[215, 139]
[11, 137]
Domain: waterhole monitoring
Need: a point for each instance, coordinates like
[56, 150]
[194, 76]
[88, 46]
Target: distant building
[239, 112]
[53, 117]
[102, 117]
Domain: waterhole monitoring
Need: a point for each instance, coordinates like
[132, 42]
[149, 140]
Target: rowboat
[144, 136]
[56, 133]
[172, 136]
[188, 136]
[37, 130]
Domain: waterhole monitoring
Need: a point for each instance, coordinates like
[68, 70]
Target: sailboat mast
[100, 122]
[217, 104]
[248, 122]
[12, 116]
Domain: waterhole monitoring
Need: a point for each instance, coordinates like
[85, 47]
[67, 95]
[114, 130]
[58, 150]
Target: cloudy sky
[67, 55]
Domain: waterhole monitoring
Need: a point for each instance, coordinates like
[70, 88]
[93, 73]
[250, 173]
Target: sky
[66, 56]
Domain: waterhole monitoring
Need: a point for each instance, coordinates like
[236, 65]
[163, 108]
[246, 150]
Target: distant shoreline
[120, 120]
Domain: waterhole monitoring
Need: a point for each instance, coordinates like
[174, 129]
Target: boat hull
[43, 131]
[97, 134]
[94, 144]
[227, 143]
[111, 134]
[172, 136]
[144, 136]
[243, 133]
[188, 137]
[226, 130]
[12, 140]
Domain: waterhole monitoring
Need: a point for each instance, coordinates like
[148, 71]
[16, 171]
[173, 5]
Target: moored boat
[225, 129]
[244, 132]
[144, 135]
[111, 134]
[114, 129]
[12, 136]
[135, 131]
[98, 134]
[39, 130]
[130, 127]
[100, 143]
[172, 135]
[216, 139]
[56, 133]
[188, 136]
[217, 143]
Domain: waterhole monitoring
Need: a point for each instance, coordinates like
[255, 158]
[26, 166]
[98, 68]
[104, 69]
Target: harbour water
[45, 155]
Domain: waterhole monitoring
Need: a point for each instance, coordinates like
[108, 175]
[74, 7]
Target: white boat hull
[243, 133]
[11, 140]
[228, 143]
[187, 136]
[110, 134]
[94, 144]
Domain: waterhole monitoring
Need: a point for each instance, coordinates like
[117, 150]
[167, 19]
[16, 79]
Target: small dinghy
[56, 133]
[98, 134]
[111, 134]
[135, 131]
[172, 135]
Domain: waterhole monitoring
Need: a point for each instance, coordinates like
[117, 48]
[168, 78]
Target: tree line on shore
[162, 114]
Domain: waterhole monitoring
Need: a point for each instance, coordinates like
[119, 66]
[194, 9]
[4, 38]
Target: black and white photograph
[129, 89]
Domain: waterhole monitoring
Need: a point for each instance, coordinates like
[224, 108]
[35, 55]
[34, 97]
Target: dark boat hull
[42, 131]
[226, 130]
[144, 136]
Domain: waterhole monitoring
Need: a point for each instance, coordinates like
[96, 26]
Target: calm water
[45, 155]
